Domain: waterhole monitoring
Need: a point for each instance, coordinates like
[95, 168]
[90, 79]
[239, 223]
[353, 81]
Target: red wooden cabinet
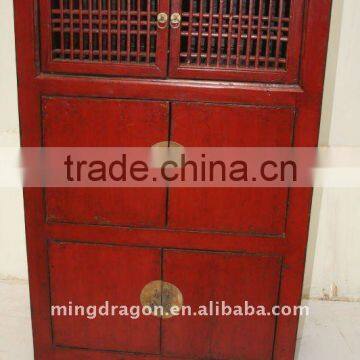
[202, 73]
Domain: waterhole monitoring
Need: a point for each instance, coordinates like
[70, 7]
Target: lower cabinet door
[90, 276]
[210, 280]
[219, 291]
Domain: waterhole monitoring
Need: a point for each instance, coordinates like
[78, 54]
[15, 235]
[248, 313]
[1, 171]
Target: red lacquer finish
[73, 122]
[233, 279]
[93, 274]
[122, 88]
[252, 210]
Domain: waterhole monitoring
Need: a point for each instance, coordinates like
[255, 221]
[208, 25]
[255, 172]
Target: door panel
[237, 40]
[233, 278]
[243, 210]
[85, 122]
[114, 37]
[93, 274]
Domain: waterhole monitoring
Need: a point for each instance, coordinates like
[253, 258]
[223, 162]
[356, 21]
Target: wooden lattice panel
[235, 33]
[105, 31]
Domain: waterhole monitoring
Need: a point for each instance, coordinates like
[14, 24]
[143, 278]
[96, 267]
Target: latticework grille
[115, 31]
[235, 34]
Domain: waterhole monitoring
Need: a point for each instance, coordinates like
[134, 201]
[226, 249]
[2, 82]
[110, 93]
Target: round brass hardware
[175, 20]
[161, 295]
[164, 151]
[162, 19]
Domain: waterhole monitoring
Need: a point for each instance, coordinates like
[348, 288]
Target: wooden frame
[289, 75]
[48, 64]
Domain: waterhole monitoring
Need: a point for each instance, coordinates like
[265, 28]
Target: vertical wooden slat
[128, 29]
[71, 14]
[138, 31]
[259, 31]
[81, 32]
[109, 30]
[62, 40]
[190, 29]
[231, 15]
[220, 26]
[198, 59]
[90, 30]
[249, 32]
[118, 31]
[211, 12]
[278, 40]
[268, 34]
[148, 19]
[100, 29]
[238, 45]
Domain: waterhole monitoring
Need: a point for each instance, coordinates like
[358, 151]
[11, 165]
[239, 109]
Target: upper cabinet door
[238, 40]
[98, 37]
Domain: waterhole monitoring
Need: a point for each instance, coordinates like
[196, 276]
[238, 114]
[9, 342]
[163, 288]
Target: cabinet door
[205, 277]
[243, 40]
[89, 122]
[91, 275]
[236, 210]
[115, 37]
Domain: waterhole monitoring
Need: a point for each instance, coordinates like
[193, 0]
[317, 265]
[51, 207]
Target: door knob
[175, 20]
[162, 19]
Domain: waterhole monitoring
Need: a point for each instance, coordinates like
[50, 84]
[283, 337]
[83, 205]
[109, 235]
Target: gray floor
[332, 331]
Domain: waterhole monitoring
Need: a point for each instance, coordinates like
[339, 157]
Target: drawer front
[237, 210]
[205, 277]
[85, 122]
[90, 275]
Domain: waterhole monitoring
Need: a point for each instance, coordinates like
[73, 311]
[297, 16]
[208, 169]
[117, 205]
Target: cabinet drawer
[239, 210]
[85, 122]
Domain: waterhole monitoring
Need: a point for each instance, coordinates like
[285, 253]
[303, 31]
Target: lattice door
[118, 37]
[256, 40]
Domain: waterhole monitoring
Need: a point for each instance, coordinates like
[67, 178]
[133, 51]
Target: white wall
[333, 266]
[333, 258]
[12, 238]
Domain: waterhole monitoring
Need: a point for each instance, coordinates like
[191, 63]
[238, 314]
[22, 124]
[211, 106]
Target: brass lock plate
[158, 294]
[175, 20]
[162, 19]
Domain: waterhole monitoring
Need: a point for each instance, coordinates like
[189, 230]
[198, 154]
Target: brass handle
[175, 20]
[160, 293]
[162, 19]
[164, 151]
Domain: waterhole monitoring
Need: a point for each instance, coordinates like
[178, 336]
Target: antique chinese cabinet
[201, 73]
